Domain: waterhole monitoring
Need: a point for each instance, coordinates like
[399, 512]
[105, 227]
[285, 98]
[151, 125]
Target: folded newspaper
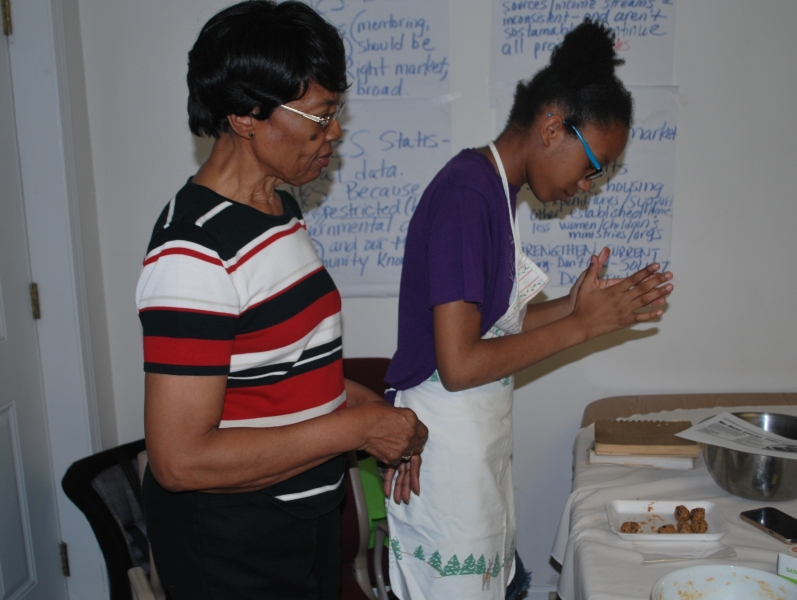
[728, 431]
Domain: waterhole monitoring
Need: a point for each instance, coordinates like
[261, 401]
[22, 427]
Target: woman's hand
[599, 283]
[406, 472]
[398, 434]
[573, 295]
[391, 432]
[602, 259]
[602, 306]
[407, 476]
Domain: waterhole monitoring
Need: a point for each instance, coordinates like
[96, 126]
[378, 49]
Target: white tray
[652, 514]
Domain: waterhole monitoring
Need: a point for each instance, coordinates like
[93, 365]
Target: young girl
[465, 327]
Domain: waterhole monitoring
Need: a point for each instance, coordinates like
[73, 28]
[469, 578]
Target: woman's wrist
[357, 394]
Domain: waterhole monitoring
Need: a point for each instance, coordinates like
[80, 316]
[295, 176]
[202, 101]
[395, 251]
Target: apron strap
[512, 217]
[528, 278]
[501, 170]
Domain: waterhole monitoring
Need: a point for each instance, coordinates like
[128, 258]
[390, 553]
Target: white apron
[457, 539]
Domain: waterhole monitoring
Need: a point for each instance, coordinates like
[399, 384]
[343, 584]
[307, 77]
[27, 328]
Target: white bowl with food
[659, 521]
[722, 582]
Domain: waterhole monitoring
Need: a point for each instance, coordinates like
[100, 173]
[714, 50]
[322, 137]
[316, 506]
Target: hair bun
[586, 55]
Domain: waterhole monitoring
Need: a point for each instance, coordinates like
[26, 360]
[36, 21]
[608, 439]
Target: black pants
[235, 546]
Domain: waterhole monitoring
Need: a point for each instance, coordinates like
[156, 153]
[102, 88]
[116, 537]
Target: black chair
[106, 488]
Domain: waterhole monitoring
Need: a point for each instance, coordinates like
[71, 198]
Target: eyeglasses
[323, 121]
[599, 171]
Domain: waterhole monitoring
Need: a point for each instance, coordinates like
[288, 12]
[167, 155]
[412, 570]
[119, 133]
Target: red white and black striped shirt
[229, 290]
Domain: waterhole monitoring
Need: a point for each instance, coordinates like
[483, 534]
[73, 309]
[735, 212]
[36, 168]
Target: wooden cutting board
[643, 438]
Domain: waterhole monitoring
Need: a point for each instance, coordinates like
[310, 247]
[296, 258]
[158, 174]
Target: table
[598, 565]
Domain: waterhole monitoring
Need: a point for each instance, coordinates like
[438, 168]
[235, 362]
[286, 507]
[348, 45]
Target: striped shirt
[229, 290]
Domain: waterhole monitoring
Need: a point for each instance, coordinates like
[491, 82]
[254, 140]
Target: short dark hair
[260, 54]
[580, 79]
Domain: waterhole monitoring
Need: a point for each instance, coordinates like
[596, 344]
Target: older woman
[247, 411]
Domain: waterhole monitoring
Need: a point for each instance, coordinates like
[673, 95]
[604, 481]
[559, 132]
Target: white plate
[722, 582]
[652, 514]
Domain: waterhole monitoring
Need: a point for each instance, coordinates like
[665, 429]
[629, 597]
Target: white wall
[730, 325]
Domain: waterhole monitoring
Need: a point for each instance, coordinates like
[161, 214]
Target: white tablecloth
[598, 565]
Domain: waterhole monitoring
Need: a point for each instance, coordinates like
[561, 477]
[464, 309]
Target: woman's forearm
[356, 394]
[246, 459]
[542, 313]
[188, 451]
[465, 361]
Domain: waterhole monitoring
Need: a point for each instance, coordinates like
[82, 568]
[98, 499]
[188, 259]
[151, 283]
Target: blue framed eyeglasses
[599, 171]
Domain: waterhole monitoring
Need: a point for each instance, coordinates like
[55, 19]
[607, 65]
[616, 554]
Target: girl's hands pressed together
[606, 305]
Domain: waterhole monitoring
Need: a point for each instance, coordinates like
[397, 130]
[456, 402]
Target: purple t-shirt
[459, 247]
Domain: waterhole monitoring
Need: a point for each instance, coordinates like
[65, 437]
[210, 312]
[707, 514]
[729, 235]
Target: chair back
[106, 488]
[355, 523]
[369, 372]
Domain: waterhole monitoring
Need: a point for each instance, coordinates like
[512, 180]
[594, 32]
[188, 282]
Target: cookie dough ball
[629, 527]
[684, 527]
[681, 513]
[699, 526]
[698, 514]
[667, 529]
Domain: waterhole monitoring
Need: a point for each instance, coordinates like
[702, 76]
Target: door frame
[44, 133]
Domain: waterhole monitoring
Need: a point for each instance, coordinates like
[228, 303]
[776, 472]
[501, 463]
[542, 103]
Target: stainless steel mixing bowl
[754, 476]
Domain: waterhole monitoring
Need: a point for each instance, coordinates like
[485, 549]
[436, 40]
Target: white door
[29, 533]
